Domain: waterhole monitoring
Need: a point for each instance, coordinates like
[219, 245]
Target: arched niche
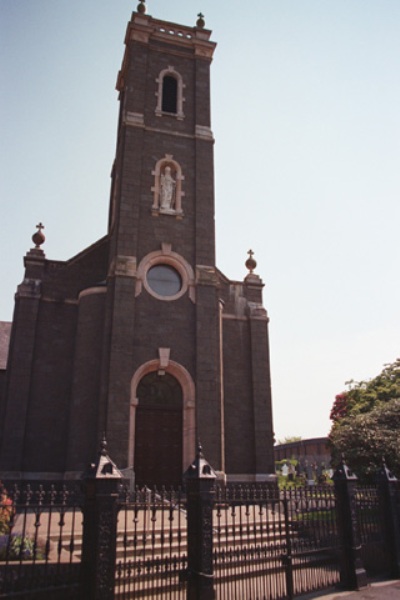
[167, 188]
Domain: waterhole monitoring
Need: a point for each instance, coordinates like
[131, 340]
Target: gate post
[387, 484]
[100, 512]
[287, 558]
[352, 572]
[200, 485]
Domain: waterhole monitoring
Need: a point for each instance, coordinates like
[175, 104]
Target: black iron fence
[101, 540]
[274, 545]
[40, 538]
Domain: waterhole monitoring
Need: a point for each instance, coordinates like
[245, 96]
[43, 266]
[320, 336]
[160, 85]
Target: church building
[139, 336]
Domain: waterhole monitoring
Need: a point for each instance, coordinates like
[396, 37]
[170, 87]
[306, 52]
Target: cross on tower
[200, 21]
[250, 262]
[141, 8]
[38, 237]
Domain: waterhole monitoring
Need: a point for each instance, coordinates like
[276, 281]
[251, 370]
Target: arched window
[169, 95]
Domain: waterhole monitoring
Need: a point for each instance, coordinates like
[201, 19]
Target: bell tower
[163, 309]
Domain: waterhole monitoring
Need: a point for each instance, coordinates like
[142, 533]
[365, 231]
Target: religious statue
[167, 189]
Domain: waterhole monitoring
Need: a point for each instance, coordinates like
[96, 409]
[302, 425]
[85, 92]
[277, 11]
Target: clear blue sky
[305, 111]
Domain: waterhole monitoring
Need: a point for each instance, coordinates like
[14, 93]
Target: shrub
[6, 510]
[15, 546]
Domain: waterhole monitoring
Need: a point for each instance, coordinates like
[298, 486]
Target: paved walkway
[379, 590]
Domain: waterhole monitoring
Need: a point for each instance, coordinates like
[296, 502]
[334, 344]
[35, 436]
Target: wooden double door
[158, 431]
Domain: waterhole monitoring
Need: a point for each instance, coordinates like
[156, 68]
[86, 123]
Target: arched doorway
[158, 431]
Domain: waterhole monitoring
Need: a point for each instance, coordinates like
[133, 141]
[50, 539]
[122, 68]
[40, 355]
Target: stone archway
[162, 423]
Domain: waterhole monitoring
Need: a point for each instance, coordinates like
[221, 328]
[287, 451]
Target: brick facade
[86, 331]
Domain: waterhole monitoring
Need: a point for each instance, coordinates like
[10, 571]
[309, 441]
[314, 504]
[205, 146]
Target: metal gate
[267, 545]
[274, 547]
[151, 545]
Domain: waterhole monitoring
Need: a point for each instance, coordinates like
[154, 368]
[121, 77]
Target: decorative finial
[384, 473]
[199, 450]
[250, 262]
[200, 21]
[103, 445]
[38, 237]
[200, 467]
[103, 468]
[141, 8]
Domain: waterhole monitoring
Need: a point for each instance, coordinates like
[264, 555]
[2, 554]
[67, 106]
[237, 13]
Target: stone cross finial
[250, 262]
[141, 8]
[200, 21]
[38, 237]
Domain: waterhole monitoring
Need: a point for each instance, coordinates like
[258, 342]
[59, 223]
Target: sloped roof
[5, 332]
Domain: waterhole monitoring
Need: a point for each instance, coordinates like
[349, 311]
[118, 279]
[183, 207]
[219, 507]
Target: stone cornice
[93, 291]
[202, 132]
[144, 29]
[206, 275]
[124, 266]
[257, 312]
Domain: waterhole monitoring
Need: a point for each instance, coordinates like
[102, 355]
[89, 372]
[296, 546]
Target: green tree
[366, 423]
[290, 439]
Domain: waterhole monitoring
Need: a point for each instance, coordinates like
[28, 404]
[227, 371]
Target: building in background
[312, 453]
[140, 335]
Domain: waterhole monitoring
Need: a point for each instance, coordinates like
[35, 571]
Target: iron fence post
[389, 496]
[287, 558]
[200, 486]
[352, 572]
[100, 512]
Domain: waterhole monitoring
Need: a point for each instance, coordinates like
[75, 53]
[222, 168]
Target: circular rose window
[164, 280]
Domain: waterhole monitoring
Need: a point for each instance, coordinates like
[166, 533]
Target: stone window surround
[171, 72]
[166, 256]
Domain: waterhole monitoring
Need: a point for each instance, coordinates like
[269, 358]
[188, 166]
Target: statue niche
[167, 187]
